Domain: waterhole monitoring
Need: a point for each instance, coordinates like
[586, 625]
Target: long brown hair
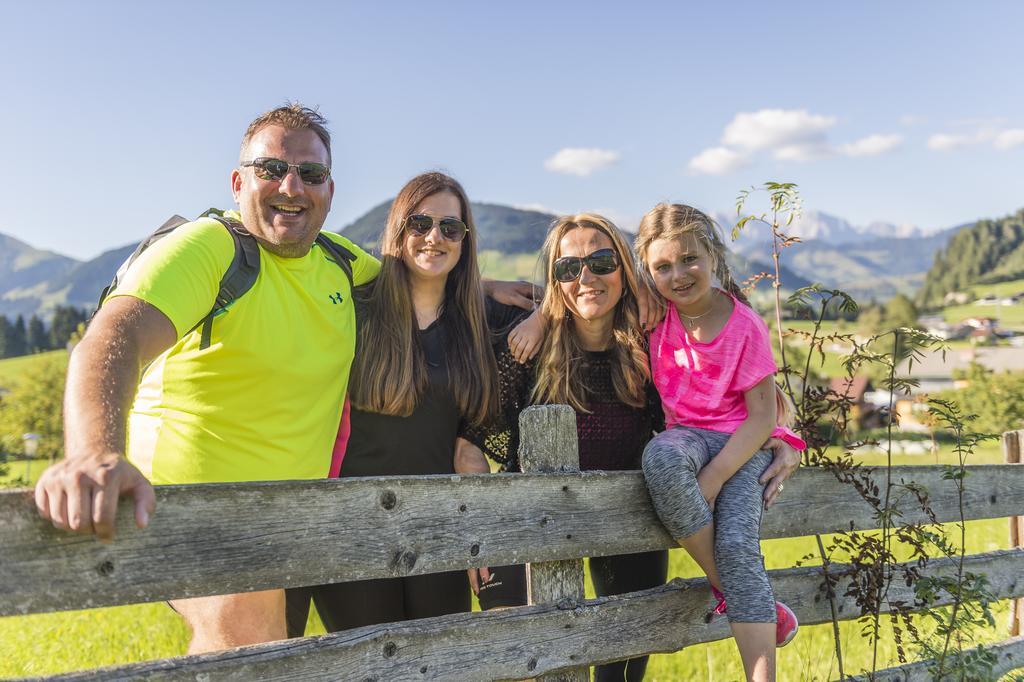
[561, 377]
[389, 374]
[672, 221]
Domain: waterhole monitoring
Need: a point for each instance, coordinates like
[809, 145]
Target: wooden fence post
[1012, 454]
[548, 443]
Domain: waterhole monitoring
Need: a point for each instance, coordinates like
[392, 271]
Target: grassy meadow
[1009, 316]
[12, 368]
[53, 643]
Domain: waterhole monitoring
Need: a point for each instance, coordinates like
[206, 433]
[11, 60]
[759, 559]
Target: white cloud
[803, 152]
[944, 142]
[717, 161]
[909, 120]
[872, 145]
[774, 128]
[1000, 138]
[581, 161]
[1008, 139]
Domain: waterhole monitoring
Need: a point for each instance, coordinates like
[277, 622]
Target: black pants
[344, 606]
[616, 574]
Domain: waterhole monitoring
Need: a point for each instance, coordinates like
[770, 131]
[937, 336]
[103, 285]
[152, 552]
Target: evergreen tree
[16, 342]
[65, 321]
[5, 335]
[989, 251]
[36, 338]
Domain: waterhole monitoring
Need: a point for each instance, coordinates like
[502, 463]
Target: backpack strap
[341, 256]
[238, 278]
[245, 268]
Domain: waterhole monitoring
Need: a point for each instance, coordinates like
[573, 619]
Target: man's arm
[80, 492]
[519, 294]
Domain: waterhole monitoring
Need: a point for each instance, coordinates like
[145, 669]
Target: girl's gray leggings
[671, 462]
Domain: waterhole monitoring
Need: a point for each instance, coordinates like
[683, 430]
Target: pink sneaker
[786, 624]
[720, 607]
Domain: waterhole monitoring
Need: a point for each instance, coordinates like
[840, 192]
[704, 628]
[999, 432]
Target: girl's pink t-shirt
[702, 384]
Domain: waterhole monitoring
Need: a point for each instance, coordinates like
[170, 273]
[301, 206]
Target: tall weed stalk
[825, 416]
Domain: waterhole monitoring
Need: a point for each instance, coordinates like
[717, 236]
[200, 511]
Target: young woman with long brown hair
[423, 331]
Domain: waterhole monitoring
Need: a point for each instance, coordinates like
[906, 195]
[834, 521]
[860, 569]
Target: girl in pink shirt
[712, 364]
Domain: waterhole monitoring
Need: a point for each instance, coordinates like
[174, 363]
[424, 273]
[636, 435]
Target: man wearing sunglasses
[250, 403]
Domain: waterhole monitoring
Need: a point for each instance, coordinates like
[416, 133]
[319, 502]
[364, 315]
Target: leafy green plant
[875, 561]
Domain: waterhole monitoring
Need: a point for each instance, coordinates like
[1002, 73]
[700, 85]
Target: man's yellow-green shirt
[263, 401]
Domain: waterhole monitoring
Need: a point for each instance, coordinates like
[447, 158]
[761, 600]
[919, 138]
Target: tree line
[989, 251]
[19, 337]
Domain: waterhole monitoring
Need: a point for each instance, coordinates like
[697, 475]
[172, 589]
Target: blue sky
[903, 112]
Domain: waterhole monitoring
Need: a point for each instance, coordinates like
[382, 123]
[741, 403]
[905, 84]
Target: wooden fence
[224, 538]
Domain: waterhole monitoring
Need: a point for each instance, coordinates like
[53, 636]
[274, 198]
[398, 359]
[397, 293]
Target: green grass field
[12, 368]
[1009, 316]
[515, 266]
[54, 643]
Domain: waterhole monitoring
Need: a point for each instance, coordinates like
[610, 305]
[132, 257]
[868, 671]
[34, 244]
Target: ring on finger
[779, 488]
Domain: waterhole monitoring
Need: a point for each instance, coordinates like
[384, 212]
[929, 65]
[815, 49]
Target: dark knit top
[612, 435]
[424, 441]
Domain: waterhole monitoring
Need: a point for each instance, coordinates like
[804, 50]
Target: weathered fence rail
[206, 539]
[215, 539]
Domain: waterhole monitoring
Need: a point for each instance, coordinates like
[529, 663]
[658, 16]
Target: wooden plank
[224, 538]
[531, 640]
[548, 444]
[1012, 454]
[1009, 657]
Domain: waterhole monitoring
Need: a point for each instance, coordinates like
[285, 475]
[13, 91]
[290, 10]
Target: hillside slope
[988, 251]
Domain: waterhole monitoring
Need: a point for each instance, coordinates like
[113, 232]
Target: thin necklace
[693, 318]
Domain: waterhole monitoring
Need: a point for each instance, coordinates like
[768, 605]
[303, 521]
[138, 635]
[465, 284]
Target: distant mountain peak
[821, 226]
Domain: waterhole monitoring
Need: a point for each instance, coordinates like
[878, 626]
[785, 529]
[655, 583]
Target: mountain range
[873, 261]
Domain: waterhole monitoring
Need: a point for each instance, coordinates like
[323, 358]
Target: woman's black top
[423, 442]
[612, 435]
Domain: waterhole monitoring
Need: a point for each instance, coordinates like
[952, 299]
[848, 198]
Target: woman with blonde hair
[594, 359]
[423, 372]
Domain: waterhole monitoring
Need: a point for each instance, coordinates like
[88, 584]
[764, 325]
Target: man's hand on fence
[81, 494]
[785, 462]
[477, 577]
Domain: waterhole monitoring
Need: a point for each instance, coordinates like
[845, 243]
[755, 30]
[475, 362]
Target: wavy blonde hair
[561, 377]
[389, 373]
